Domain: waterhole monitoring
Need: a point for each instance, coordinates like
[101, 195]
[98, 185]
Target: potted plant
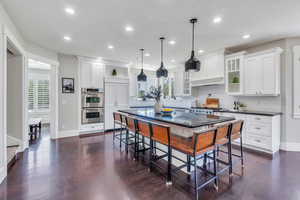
[156, 93]
[114, 72]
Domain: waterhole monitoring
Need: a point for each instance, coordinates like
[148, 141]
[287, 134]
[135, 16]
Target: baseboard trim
[3, 174]
[68, 133]
[290, 146]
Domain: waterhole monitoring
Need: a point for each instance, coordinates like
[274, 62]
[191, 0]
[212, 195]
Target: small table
[35, 126]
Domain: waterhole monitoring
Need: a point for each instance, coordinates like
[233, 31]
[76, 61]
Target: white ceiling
[99, 23]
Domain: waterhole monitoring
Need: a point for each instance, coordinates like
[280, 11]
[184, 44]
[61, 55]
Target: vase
[157, 107]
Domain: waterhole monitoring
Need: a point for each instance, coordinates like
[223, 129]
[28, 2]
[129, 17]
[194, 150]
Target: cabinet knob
[258, 141]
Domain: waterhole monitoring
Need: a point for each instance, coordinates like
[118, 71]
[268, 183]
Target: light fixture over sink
[162, 71]
[142, 76]
[193, 64]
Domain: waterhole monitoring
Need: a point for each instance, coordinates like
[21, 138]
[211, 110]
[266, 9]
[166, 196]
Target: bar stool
[119, 120]
[235, 132]
[222, 139]
[143, 129]
[131, 133]
[198, 147]
[161, 134]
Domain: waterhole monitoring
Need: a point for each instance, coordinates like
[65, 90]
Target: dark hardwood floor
[91, 168]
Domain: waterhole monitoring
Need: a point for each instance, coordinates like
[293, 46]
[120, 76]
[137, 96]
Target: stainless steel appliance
[92, 115]
[92, 98]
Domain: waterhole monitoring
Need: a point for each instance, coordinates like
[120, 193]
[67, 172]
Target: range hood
[212, 71]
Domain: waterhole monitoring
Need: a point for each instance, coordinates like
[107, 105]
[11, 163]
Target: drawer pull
[257, 118]
[257, 128]
[257, 141]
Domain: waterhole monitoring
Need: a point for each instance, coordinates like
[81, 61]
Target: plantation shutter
[38, 94]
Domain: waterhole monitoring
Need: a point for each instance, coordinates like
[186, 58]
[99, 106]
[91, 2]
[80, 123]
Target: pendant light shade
[142, 76]
[162, 71]
[193, 64]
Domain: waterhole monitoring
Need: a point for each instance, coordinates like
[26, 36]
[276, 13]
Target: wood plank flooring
[91, 168]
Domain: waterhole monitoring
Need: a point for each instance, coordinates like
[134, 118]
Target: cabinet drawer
[259, 129]
[259, 119]
[259, 141]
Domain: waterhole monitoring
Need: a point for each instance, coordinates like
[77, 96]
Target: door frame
[8, 37]
[53, 91]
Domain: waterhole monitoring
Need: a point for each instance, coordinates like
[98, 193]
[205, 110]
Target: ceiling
[97, 24]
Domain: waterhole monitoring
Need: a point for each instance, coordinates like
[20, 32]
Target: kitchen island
[181, 123]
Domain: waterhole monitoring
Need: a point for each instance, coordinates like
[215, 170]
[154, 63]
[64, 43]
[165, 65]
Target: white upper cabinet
[262, 73]
[91, 73]
[234, 66]
[211, 71]
[256, 74]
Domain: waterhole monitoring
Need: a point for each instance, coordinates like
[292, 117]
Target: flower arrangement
[155, 93]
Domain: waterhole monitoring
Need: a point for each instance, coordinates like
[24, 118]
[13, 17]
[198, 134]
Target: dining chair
[197, 148]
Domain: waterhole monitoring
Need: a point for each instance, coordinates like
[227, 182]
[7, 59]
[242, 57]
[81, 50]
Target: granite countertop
[180, 118]
[250, 112]
[175, 107]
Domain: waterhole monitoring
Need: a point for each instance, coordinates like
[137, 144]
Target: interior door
[253, 76]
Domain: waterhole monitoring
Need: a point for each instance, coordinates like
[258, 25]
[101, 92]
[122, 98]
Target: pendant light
[193, 64]
[142, 76]
[162, 71]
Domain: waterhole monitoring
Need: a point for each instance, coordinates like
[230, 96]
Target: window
[167, 85]
[38, 94]
[144, 87]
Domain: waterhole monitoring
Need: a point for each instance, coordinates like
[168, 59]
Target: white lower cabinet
[261, 133]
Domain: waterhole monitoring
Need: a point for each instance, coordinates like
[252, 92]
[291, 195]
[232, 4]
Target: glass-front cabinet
[234, 73]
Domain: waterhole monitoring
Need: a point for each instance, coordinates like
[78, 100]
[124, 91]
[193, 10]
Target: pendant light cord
[161, 48]
[142, 51]
[193, 37]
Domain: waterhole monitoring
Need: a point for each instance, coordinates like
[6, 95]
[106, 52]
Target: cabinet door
[253, 76]
[97, 75]
[122, 95]
[269, 71]
[85, 75]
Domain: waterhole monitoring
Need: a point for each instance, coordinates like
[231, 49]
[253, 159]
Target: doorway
[16, 138]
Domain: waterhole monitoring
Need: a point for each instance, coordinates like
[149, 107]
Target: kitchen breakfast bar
[187, 142]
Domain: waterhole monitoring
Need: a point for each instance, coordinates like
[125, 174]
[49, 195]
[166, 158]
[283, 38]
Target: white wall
[68, 103]
[292, 125]
[15, 97]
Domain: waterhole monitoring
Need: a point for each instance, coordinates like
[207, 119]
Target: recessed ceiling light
[246, 36]
[201, 51]
[172, 42]
[172, 60]
[217, 20]
[129, 28]
[147, 54]
[70, 11]
[110, 47]
[67, 38]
